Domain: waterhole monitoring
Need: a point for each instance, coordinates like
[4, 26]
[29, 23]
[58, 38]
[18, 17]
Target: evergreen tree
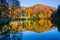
[56, 18]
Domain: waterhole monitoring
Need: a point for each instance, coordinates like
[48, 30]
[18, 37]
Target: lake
[48, 35]
[30, 35]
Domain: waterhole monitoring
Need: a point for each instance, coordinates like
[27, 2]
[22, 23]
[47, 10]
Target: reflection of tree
[4, 12]
[56, 18]
[5, 20]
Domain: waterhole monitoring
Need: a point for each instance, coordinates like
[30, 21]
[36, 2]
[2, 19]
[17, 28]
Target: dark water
[30, 35]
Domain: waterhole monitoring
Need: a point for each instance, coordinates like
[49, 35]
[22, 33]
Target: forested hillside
[35, 18]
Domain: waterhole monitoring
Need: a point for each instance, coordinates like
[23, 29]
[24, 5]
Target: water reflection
[48, 35]
[56, 18]
[18, 27]
[35, 25]
[38, 26]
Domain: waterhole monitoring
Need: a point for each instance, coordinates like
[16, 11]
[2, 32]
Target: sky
[53, 3]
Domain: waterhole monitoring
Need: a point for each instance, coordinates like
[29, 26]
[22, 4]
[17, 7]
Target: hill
[40, 11]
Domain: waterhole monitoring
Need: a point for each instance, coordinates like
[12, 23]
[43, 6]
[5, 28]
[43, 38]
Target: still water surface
[30, 35]
[48, 35]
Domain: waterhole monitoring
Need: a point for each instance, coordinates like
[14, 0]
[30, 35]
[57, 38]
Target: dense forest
[35, 18]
